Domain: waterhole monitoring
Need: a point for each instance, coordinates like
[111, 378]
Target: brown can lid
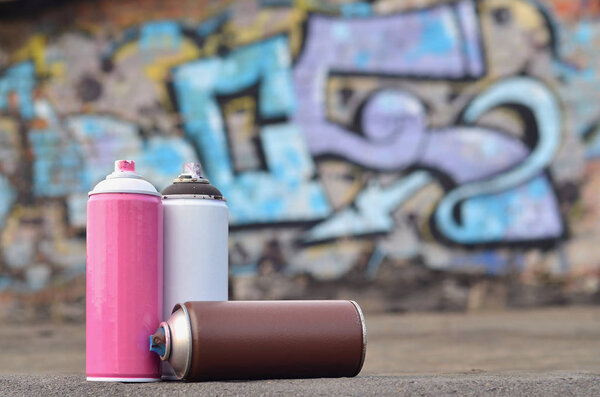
[191, 183]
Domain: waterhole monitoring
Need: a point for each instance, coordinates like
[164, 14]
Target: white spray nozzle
[192, 169]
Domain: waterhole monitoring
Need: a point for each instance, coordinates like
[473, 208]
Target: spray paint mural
[462, 135]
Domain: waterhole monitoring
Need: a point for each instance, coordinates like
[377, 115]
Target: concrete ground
[533, 352]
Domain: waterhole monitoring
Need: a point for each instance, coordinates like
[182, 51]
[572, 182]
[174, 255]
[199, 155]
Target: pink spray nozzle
[125, 165]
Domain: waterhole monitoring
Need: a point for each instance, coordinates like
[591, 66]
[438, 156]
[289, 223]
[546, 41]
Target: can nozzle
[124, 169]
[191, 172]
[193, 169]
[125, 166]
[158, 342]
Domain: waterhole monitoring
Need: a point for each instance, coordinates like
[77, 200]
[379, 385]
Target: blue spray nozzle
[158, 342]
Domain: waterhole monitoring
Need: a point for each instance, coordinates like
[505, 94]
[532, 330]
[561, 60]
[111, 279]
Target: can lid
[124, 179]
[191, 184]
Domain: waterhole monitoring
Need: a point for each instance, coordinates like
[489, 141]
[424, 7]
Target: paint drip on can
[196, 225]
[123, 276]
[262, 339]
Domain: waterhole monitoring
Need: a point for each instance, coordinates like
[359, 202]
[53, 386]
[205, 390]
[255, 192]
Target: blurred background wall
[412, 155]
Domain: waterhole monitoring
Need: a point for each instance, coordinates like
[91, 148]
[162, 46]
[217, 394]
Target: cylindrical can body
[195, 256]
[124, 285]
[268, 339]
[196, 253]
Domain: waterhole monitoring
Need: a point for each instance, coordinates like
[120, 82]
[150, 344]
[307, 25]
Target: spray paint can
[196, 225]
[123, 276]
[262, 339]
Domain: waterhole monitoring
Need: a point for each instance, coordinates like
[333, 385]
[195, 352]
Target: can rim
[363, 326]
[188, 362]
[194, 196]
[167, 331]
[148, 193]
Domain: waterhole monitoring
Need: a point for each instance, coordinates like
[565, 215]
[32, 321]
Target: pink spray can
[123, 277]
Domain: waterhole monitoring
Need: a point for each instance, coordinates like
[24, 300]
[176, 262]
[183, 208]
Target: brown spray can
[263, 339]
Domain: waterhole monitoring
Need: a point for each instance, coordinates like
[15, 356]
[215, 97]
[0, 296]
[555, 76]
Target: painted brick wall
[437, 147]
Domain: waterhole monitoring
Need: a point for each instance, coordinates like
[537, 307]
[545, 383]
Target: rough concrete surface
[533, 352]
[430, 385]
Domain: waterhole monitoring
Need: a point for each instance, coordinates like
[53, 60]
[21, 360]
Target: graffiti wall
[355, 141]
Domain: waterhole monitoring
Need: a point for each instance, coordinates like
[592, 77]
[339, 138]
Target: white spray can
[196, 226]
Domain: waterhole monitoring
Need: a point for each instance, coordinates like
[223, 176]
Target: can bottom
[132, 380]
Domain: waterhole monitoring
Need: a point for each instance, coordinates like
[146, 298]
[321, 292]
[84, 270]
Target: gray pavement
[531, 384]
[531, 352]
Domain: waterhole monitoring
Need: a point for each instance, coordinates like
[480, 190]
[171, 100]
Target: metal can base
[126, 380]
